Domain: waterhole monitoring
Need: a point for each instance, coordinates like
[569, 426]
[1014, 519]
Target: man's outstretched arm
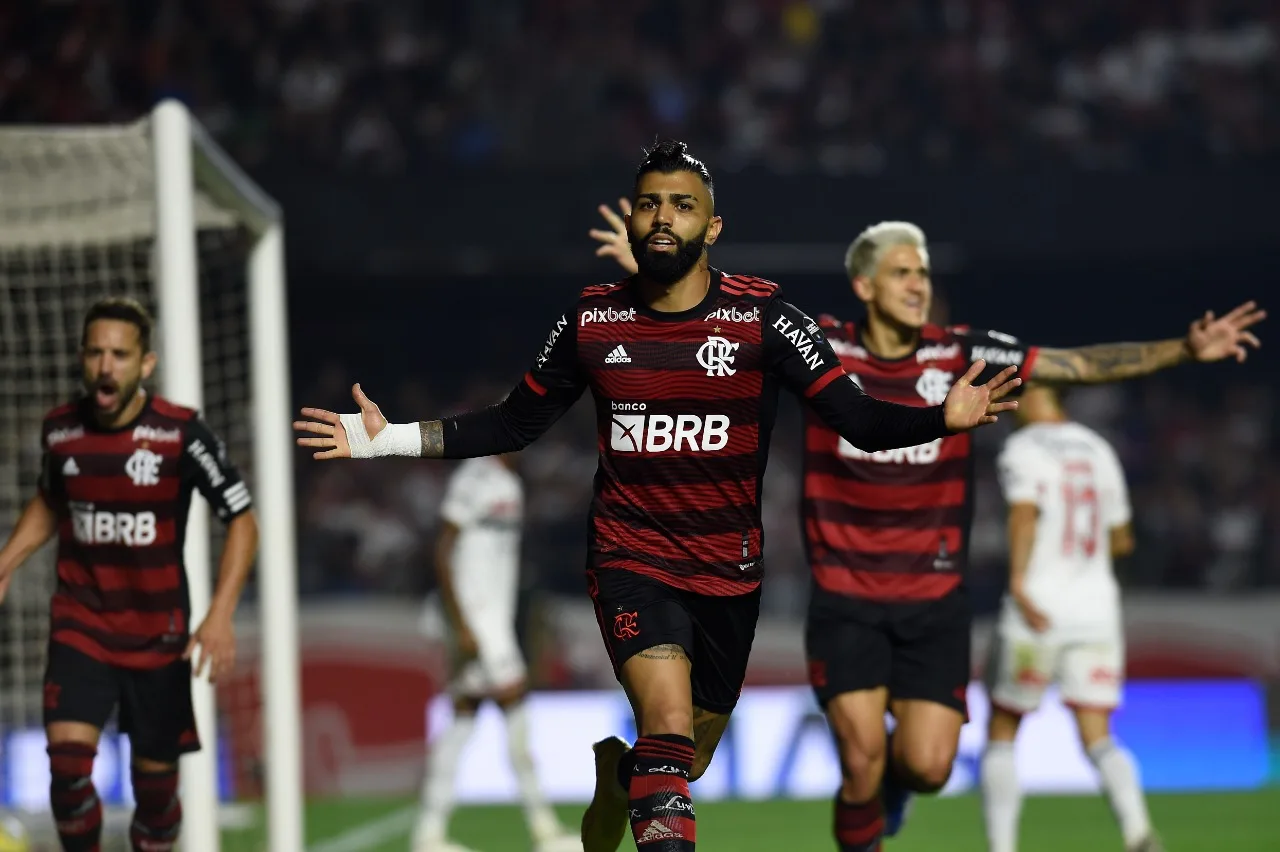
[544, 394]
[1209, 338]
[799, 354]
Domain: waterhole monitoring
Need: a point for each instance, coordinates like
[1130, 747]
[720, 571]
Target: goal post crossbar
[76, 203]
[226, 183]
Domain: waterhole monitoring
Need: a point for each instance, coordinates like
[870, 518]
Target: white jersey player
[477, 569]
[1069, 515]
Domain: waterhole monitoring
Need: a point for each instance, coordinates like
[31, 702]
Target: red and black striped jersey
[684, 406]
[121, 497]
[894, 525]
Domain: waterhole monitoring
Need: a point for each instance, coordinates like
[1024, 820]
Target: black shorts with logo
[155, 704]
[636, 612]
[919, 650]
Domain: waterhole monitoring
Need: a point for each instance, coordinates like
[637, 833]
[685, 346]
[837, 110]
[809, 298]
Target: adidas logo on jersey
[70, 468]
[618, 356]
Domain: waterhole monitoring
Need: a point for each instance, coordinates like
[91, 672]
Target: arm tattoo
[1108, 362]
[663, 652]
[432, 438]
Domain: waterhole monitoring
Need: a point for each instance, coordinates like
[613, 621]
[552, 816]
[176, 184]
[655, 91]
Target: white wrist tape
[395, 439]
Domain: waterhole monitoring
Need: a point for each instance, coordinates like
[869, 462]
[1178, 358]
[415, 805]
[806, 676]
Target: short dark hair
[124, 309]
[1058, 390]
[667, 156]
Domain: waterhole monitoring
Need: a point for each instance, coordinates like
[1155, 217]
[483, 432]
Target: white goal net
[78, 222]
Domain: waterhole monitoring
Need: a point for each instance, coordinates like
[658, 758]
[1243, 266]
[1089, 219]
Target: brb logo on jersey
[716, 356]
[919, 454]
[132, 529]
[656, 433]
[143, 467]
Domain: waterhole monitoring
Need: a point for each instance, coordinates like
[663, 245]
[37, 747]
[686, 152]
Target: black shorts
[155, 704]
[919, 650]
[636, 612]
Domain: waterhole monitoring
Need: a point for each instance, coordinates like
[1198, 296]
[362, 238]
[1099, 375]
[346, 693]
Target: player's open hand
[333, 442]
[1214, 338]
[968, 405]
[212, 645]
[614, 242]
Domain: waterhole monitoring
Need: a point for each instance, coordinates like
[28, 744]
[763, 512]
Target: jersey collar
[697, 311]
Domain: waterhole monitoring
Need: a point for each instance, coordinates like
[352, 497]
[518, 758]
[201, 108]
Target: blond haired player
[1069, 515]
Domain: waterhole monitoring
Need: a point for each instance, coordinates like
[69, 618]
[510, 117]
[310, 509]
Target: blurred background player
[1069, 517]
[675, 560]
[477, 569]
[120, 633]
[889, 620]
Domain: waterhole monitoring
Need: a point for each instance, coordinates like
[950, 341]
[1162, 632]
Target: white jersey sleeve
[1021, 469]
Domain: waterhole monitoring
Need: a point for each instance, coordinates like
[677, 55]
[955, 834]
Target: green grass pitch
[1231, 822]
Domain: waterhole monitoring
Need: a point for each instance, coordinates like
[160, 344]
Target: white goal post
[161, 181]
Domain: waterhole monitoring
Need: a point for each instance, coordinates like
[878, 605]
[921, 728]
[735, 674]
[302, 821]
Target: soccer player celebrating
[685, 363]
[117, 474]
[888, 626]
[477, 568]
[1069, 516]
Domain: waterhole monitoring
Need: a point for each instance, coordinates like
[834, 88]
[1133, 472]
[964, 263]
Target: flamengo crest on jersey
[716, 355]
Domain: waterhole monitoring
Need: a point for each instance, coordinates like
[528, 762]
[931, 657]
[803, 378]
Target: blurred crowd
[1203, 472]
[837, 85]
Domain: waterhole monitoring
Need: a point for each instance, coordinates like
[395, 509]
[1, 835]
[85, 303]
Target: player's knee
[72, 797]
[933, 776]
[857, 761]
[70, 766]
[1093, 726]
[862, 767]
[71, 759]
[926, 767]
[508, 697]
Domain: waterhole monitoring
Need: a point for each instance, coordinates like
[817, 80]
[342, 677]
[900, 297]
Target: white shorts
[497, 666]
[1090, 674]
